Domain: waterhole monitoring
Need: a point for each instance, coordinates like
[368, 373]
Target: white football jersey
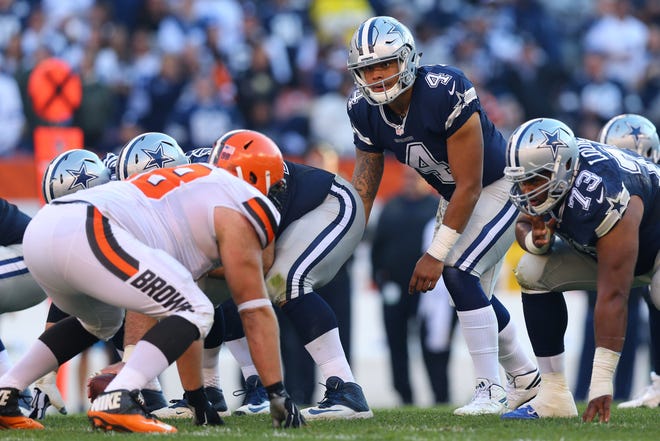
[164, 214]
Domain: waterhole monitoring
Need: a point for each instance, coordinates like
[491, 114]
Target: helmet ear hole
[253, 178]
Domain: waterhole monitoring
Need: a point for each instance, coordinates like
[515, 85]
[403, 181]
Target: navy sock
[546, 319]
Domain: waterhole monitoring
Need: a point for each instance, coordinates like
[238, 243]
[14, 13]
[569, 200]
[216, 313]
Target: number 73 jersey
[172, 209]
[605, 180]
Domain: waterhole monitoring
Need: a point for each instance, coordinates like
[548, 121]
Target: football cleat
[522, 388]
[11, 416]
[342, 400]
[181, 408]
[123, 411]
[488, 399]
[649, 397]
[554, 400]
[46, 394]
[153, 399]
[525, 412]
[255, 401]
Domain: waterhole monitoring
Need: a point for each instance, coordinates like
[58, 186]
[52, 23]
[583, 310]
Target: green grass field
[403, 424]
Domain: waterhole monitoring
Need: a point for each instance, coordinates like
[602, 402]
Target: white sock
[479, 328]
[554, 364]
[241, 351]
[37, 362]
[145, 364]
[211, 367]
[512, 357]
[328, 354]
[153, 385]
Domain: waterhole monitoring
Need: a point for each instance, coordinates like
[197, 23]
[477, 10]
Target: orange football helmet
[250, 155]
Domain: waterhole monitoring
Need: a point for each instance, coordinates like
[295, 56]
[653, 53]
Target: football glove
[204, 412]
[283, 410]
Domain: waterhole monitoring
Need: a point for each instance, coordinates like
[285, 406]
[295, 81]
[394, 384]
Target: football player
[431, 118]
[127, 245]
[637, 133]
[590, 221]
[322, 223]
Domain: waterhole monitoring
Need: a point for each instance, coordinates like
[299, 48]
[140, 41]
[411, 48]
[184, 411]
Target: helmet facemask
[553, 187]
[406, 78]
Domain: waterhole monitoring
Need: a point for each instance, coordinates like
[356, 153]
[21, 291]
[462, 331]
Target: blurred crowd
[197, 68]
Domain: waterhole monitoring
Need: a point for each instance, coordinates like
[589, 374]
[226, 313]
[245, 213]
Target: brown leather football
[97, 384]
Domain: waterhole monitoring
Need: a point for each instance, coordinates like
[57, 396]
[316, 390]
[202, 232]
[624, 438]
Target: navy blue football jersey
[605, 180]
[443, 99]
[305, 187]
[13, 223]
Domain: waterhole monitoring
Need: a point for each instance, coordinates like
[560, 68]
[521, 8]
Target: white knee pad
[529, 272]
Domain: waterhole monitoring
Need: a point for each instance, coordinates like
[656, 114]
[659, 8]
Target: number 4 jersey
[172, 209]
[605, 180]
[443, 99]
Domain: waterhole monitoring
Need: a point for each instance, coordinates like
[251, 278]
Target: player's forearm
[610, 318]
[460, 207]
[366, 178]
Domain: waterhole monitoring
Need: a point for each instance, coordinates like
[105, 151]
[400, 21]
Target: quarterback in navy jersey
[430, 117]
[603, 203]
[322, 222]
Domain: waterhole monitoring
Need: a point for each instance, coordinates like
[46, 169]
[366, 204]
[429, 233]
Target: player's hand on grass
[598, 407]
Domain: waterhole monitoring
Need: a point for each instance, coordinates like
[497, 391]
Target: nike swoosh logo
[453, 88]
[320, 411]
[600, 198]
[256, 409]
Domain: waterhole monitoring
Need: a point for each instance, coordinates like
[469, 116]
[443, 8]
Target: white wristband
[128, 350]
[602, 373]
[442, 243]
[254, 304]
[529, 245]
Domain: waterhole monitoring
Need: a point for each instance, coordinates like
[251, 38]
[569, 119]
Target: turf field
[403, 424]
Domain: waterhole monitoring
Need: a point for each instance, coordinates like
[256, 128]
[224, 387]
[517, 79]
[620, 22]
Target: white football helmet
[149, 151]
[541, 149]
[632, 132]
[71, 171]
[381, 39]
